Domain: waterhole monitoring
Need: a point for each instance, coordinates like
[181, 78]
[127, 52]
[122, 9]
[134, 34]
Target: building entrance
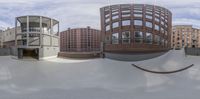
[28, 53]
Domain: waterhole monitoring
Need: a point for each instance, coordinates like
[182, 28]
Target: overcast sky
[82, 13]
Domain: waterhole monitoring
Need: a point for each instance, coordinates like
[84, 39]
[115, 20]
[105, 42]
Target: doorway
[31, 53]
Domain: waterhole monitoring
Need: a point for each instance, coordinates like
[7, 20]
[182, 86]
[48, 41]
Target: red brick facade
[80, 40]
[135, 28]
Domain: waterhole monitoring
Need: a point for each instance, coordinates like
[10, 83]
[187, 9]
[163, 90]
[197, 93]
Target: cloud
[82, 13]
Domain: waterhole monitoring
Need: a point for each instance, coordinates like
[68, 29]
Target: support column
[41, 31]
[27, 31]
[15, 32]
[51, 33]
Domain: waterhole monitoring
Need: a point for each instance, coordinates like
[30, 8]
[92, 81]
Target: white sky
[82, 13]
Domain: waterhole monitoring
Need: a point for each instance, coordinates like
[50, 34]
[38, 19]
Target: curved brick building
[80, 42]
[135, 29]
[130, 28]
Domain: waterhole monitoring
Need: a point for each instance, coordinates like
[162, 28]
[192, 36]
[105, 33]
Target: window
[107, 27]
[162, 22]
[116, 12]
[157, 19]
[157, 27]
[137, 15]
[162, 42]
[149, 17]
[107, 40]
[126, 11]
[115, 25]
[126, 22]
[138, 37]
[166, 43]
[107, 15]
[149, 38]
[149, 12]
[157, 39]
[115, 17]
[157, 13]
[162, 30]
[126, 37]
[115, 38]
[149, 24]
[107, 20]
[137, 10]
[138, 22]
[126, 15]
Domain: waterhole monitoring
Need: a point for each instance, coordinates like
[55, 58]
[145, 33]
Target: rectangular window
[126, 22]
[157, 19]
[115, 17]
[107, 27]
[157, 27]
[137, 15]
[115, 13]
[138, 37]
[115, 25]
[157, 39]
[149, 12]
[126, 15]
[126, 11]
[149, 24]
[107, 40]
[162, 42]
[115, 38]
[162, 30]
[149, 17]
[126, 37]
[138, 22]
[107, 20]
[149, 38]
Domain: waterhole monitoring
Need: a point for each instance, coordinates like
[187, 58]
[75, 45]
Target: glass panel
[46, 25]
[115, 25]
[138, 15]
[157, 19]
[55, 28]
[126, 15]
[34, 24]
[126, 11]
[157, 27]
[138, 37]
[126, 37]
[149, 17]
[138, 22]
[157, 39]
[107, 27]
[149, 24]
[149, 38]
[22, 21]
[115, 38]
[107, 20]
[115, 17]
[126, 22]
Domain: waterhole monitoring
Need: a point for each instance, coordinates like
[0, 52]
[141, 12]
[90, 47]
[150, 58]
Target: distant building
[185, 36]
[80, 40]
[1, 38]
[9, 37]
[38, 37]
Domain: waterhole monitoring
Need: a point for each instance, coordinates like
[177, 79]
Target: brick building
[135, 28]
[79, 41]
[185, 36]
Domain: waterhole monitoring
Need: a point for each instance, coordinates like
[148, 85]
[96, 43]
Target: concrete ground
[99, 78]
